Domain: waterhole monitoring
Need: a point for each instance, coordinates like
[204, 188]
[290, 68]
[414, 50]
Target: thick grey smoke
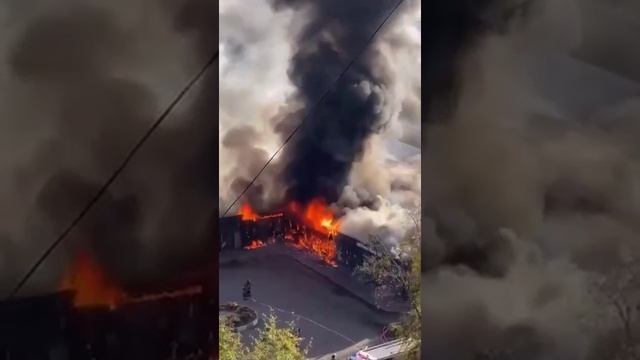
[367, 151]
[254, 53]
[87, 78]
[508, 147]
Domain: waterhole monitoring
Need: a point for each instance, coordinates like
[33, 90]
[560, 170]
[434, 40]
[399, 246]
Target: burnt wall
[229, 228]
[236, 234]
[49, 328]
[36, 328]
[351, 251]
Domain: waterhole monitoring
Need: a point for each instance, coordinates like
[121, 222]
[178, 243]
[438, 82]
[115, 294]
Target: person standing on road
[246, 291]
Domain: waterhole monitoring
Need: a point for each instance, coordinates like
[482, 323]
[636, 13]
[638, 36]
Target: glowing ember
[190, 291]
[255, 244]
[323, 247]
[271, 216]
[317, 234]
[91, 286]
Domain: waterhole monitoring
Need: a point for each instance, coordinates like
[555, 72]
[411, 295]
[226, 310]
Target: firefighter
[246, 291]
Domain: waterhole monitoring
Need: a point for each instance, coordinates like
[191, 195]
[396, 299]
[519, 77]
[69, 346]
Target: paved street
[328, 315]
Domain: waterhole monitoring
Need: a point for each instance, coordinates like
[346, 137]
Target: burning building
[36, 328]
[312, 228]
[93, 318]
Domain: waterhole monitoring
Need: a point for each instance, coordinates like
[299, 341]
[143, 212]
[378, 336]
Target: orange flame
[317, 216]
[324, 248]
[247, 213]
[93, 289]
[321, 218]
[255, 244]
[91, 286]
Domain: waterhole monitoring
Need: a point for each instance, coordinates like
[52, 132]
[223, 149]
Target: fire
[324, 248]
[91, 286]
[319, 217]
[255, 244]
[316, 236]
[247, 213]
[93, 289]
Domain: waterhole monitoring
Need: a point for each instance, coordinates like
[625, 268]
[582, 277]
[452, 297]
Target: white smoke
[254, 55]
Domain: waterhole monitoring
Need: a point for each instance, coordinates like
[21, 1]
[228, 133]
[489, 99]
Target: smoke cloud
[360, 150]
[504, 151]
[320, 157]
[82, 81]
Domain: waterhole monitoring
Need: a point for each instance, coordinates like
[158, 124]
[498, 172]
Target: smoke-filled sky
[80, 82]
[531, 172]
[360, 150]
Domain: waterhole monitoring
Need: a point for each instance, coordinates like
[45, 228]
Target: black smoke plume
[320, 156]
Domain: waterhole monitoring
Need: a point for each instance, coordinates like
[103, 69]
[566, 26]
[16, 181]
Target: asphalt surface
[329, 318]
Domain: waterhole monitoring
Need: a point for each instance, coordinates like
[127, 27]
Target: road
[327, 315]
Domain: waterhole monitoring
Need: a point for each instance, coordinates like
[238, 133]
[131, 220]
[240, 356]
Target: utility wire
[292, 313]
[317, 104]
[113, 176]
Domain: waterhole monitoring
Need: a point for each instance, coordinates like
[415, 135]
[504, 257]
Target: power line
[335, 332]
[113, 176]
[317, 104]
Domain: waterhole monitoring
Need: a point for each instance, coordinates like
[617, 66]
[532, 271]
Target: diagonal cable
[114, 175]
[317, 104]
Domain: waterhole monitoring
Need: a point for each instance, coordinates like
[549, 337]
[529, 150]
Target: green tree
[229, 343]
[275, 342]
[398, 267]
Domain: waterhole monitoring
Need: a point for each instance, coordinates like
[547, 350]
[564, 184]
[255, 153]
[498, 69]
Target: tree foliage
[619, 291]
[273, 342]
[398, 266]
[277, 342]
[229, 343]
